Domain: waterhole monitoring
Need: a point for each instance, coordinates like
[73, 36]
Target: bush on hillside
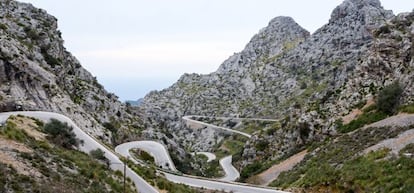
[389, 97]
[61, 134]
[251, 170]
[98, 154]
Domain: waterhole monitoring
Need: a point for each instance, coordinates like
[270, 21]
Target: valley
[294, 111]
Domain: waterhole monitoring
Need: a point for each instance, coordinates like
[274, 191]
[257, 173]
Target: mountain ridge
[38, 73]
[309, 83]
[306, 83]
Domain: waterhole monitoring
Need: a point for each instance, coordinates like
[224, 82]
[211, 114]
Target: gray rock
[306, 81]
[37, 73]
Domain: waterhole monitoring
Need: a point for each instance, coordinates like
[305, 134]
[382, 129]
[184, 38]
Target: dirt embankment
[266, 177]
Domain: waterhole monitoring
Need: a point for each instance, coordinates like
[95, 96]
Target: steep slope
[33, 161]
[233, 89]
[38, 73]
[226, 91]
[307, 82]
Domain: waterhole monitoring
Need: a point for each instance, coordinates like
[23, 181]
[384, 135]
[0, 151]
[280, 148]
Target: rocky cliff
[306, 81]
[38, 73]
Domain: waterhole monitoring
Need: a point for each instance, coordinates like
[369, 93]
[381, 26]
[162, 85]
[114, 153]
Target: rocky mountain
[353, 71]
[307, 81]
[38, 73]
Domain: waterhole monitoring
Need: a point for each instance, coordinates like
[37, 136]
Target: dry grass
[29, 126]
[8, 149]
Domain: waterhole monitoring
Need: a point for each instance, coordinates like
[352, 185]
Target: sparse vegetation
[407, 108]
[142, 155]
[98, 154]
[262, 145]
[150, 175]
[408, 149]
[11, 131]
[61, 134]
[369, 173]
[336, 165]
[234, 146]
[250, 170]
[31, 34]
[385, 29]
[52, 61]
[364, 119]
[3, 26]
[389, 97]
[386, 104]
[59, 169]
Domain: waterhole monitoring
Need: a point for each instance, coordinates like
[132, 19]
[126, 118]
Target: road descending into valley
[231, 173]
[157, 150]
[164, 158]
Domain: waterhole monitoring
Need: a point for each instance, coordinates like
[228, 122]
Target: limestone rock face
[306, 81]
[38, 73]
[229, 91]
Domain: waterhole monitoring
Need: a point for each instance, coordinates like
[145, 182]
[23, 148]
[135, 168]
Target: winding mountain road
[233, 118]
[231, 173]
[89, 144]
[210, 156]
[157, 151]
[162, 157]
[188, 119]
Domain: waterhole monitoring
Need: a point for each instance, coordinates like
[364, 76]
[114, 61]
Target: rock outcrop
[38, 73]
[306, 81]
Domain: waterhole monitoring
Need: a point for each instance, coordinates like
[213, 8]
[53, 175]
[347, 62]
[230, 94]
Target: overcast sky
[135, 46]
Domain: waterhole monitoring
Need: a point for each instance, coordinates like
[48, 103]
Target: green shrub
[319, 173]
[110, 126]
[234, 146]
[52, 61]
[408, 108]
[304, 130]
[261, 145]
[213, 168]
[98, 154]
[337, 165]
[31, 34]
[251, 170]
[389, 97]
[61, 134]
[11, 132]
[143, 155]
[364, 119]
[303, 85]
[385, 29]
[164, 184]
[3, 26]
[271, 131]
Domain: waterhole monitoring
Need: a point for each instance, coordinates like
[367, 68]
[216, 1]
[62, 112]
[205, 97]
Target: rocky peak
[369, 12]
[281, 35]
[347, 35]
